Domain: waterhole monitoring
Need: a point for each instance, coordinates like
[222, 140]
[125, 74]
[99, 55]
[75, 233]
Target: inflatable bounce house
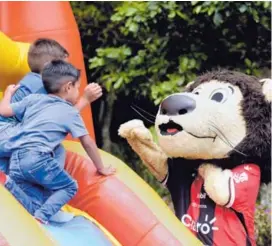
[117, 210]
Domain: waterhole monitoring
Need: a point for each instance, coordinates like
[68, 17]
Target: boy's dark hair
[58, 72]
[43, 51]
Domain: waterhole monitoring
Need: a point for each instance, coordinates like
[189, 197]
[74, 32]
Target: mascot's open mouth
[170, 128]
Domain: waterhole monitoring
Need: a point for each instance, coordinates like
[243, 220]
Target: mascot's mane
[256, 111]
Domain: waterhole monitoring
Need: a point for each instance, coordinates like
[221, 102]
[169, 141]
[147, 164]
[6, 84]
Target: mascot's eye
[220, 95]
[196, 92]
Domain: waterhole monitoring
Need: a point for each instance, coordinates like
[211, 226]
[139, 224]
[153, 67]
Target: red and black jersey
[214, 225]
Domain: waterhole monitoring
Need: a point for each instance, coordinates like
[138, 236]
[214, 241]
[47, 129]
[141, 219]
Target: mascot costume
[214, 151]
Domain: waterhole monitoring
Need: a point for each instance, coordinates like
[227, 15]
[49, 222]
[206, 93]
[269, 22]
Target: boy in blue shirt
[41, 52]
[45, 122]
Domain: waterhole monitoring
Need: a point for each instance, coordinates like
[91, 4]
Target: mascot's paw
[134, 129]
[216, 183]
[204, 168]
[126, 129]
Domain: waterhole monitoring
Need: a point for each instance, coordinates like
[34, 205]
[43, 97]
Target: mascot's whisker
[150, 121]
[144, 111]
[221, 135]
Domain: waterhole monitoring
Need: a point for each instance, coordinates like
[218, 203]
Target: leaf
[172, 14]
[256, 72]
[157, 101]
[243, 8]
[211, 10]
[130, 11]
[192, 63]
[248, 71]
[255, 15]
[181, 80]
[194, 3]
[139, 18]
[217, 19]
[108, 85]
[118, 83]
[197, 9]
[112, 53]
[265, 22]
[133, 27]
[116, 18]
[96, 62]
[183, 64]
[267, 4]
[182, 15]
[126, 51]
[153, 14]
[248, 62]
[100, 52]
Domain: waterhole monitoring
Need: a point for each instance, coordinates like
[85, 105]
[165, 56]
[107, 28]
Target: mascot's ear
[186, 88]
[267, 89]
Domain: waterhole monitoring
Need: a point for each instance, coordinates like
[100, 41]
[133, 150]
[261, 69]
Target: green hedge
[263, 225]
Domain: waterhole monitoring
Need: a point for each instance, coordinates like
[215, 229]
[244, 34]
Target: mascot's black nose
[177, 104]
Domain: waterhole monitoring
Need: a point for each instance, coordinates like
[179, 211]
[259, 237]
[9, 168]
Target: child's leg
[60, 155]
[31, 191]
[4, 164]
[29, 195]
[7, 128]
[21, 196]
[65, 188]
[43, 169]
[4, 155]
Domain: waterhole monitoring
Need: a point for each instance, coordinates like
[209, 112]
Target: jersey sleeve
[77, 127]
[19, 108]
[244, 185]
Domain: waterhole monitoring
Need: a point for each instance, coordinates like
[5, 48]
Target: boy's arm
[20, 94]
[78, 130]
[5, 105]
[92, 151]
[91, 93]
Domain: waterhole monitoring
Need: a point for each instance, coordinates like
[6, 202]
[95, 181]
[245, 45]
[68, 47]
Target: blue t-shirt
[30, 84]
[45, 122]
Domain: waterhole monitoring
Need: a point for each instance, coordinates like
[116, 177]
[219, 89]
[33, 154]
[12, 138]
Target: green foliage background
[143, 51]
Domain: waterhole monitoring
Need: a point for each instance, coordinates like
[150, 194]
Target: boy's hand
[106, 171]
[5, 108]
[92, 92]
[11, 89]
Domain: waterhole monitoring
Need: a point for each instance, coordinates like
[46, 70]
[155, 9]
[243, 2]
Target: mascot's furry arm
[141, 141]
[216, 183]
